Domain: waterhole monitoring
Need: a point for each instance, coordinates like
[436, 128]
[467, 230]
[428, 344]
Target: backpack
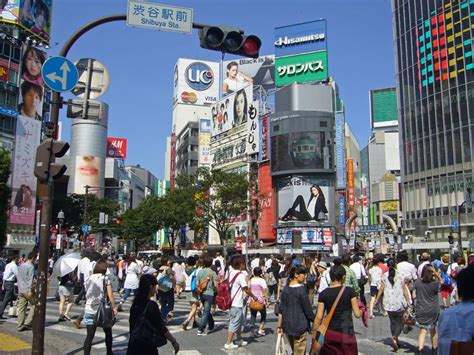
[164, 282]
[193, 284]
[270, 279]
[223, 298]
[446, 279]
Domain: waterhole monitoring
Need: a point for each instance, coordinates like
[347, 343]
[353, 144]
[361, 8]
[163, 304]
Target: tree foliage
[5, 192]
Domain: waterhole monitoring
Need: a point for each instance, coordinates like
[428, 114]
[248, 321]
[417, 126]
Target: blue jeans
[207, 318]
[166, 303]
[126, 293]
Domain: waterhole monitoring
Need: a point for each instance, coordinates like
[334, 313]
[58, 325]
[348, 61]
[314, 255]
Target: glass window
[427, 151]
[11, 101]
[434, 151]
[446, 110]
[421, 150]
[3, 98]
[16, 54]
[457, 146]
[442, 150]
[6, 49]
[467, 145]
[449, 147]
[454, 108]
[463, 115]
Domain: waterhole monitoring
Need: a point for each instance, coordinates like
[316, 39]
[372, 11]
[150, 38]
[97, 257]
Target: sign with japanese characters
[204, 142]
[160, 16]
[301, 68]
[23, 199]
[253, 142]
[309, 236]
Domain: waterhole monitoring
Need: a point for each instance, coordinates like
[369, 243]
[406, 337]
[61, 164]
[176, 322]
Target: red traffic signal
[231, 40]
[117, 221]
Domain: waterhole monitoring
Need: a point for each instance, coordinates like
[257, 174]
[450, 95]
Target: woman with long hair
[375, 277]
[296, 314]
[259, 288]
[301, 212]
[131, 280]
[427, 305]
[240, 108]
[340, 337]
[143, 305]
[235, 79]
[396, 300]
[94, 295]
[311, 278]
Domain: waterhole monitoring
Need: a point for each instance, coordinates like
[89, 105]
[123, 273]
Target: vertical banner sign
[173, 161]
[350, 182]
[253, 144]
[340, 156]
[204, 141]
[23, 180]
[342, 210]
[265, 139]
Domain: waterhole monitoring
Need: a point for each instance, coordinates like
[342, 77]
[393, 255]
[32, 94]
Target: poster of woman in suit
[304, 212]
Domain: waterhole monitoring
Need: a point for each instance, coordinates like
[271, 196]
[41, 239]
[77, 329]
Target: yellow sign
[390, 206]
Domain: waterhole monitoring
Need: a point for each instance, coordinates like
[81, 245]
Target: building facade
[435, 87]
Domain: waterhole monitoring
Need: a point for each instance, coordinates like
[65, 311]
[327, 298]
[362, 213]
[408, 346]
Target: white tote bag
[280, 345]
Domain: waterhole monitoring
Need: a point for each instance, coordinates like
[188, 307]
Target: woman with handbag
[295, 313]
[258, 286]
[98, 289]
[335, 334]
[147, 328]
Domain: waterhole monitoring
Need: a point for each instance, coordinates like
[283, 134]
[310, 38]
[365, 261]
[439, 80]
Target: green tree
[5, 192]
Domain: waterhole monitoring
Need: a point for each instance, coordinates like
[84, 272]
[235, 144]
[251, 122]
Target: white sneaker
[230, 346]
[241, 342]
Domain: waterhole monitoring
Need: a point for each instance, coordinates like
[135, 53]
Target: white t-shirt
[133, 276]
[236, 85]
[375, 273]
[255, 262]
[178, 271]
[358, 269]
[324, 282]
[95, 292]
[268, 264]
[421, 266]
[406, 271]
[236, 293]
[84, 265]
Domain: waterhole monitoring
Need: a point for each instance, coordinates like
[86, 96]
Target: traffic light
[46, 154]
[231, 40]
[450, 239]
[117, 222]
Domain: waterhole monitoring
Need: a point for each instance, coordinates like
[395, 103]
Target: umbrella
[66, 263]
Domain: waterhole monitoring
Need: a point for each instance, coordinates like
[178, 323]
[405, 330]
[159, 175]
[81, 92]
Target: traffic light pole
[459, 227]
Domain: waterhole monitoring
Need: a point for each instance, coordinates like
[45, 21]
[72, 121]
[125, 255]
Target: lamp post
[60, 222]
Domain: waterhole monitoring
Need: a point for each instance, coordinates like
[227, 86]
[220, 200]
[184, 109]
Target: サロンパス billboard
[196, 82]
[242, 72]
[301, 68]
[300, 38]
[22, 209]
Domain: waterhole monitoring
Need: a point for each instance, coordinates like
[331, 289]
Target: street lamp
[60, 222]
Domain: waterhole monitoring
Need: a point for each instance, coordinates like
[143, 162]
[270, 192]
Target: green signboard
[384, 110]
[301, 68]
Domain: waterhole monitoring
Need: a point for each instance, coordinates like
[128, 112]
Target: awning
[425, 245]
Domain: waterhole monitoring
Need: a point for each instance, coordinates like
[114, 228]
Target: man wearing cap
[424, 260]
[325, 279]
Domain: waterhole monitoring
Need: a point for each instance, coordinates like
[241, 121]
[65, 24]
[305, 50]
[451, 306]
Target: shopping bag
[280, 345]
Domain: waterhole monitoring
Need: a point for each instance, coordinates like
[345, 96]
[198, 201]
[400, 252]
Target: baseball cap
[322, 264]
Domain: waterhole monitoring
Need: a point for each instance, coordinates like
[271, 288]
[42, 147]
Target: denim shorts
[88, 319]
[236, 319]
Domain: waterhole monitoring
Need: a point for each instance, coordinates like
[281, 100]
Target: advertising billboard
[31, 83]
[301, 68]
[233, 150]
[35, 17]
[340, 152]
[266, 201]
[320, 237]
[87, 173]
[23, 199]
[265, 139]
[196, 82]
[231, 113]
[350, 183]
[10, 11]
[383, 107]
[204, 142]
[116, 148]
[242, 72]
[305, 199]
[300, 38]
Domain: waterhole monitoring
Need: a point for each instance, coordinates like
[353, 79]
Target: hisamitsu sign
[160, 16]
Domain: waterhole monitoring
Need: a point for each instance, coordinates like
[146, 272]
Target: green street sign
[301, 68]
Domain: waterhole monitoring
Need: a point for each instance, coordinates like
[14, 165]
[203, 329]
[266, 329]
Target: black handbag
[104, 316]
[145, 332]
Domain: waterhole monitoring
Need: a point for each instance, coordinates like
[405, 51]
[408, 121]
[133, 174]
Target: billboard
[266, 201]
[300, 38]
[204, 142]
[340, 152]
[196, 82]
[301, 68]
[231, 113]
[23, 199]
[116, 148]
[305, 199]
[242, 72]
[350, 183]
[310, 236]
[31, 83]
[301, 150]
[87, 173]
[10, 11]
[233, 150]
[383, 107]
[35, 16]
[265, 139]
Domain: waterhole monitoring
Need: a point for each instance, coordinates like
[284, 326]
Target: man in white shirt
[255, 262]
[82, 268]
[325, 279]
[268, 263]
[406, 270]
[9, 277]
[238, 282]
[361, 276]
[424, 260]
[220, 258]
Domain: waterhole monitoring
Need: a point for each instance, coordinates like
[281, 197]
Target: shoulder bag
[255, 305]
[145, 332]
[104, 316]
[317, 337]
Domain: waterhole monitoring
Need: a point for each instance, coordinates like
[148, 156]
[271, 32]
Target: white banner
[253, 142]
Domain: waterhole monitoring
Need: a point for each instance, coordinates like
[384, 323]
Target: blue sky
[141, 61]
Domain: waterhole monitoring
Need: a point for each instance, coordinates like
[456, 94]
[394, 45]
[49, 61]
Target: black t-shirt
[342, 318]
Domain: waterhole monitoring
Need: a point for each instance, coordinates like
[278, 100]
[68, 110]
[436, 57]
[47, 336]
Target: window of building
[442, 150]
[466, 144]
[7, 124]
[457, 146]
[454, 108]
[449, 147]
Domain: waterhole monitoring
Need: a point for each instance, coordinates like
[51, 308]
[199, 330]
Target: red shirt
[383, 267]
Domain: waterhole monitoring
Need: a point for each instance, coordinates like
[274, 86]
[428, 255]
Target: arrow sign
[59, 74]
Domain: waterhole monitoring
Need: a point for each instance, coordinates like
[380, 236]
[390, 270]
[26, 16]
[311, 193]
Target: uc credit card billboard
[300, 38]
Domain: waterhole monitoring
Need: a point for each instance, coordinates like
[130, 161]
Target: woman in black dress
[146, 291]
[301, 212]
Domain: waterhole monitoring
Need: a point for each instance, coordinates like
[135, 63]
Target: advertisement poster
[301, 68]
[116, 148]
[265, 139]
[300, 38]
[350, 183]
[23, 179]
[204, 142]
[253, 141]
[31, 83]
[305, 199]
[232, 113]
[196, 82]
[340, 152]
[10, 11]
[242, 72]
[309, 236]
[301, 150]
[266, 201]
[87, 173]
[35, 16]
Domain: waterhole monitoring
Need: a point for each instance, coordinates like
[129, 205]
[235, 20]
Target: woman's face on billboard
[240, 106]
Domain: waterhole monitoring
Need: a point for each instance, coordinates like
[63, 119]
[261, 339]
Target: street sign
[94, 79]
[454, 225]
[160, 16]
[59, 74]
[85, 228]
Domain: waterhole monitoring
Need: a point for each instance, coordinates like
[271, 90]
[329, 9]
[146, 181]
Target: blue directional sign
[85, 228]
[59, 74]
[454, 225]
